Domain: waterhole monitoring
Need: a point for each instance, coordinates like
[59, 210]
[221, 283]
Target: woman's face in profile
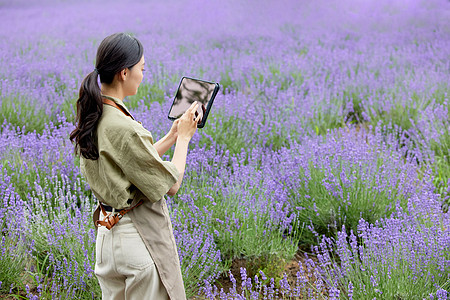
[134, 78]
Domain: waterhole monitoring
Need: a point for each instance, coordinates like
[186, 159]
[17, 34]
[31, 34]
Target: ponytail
[89, 111]
[115, 53]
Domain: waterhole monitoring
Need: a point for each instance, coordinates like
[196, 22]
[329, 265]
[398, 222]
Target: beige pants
[123, 265]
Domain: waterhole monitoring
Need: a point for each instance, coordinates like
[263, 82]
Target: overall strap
[112, 103]
[111, 219]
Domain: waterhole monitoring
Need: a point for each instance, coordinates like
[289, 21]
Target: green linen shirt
[128, 165]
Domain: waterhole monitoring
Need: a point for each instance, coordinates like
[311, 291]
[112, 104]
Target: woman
[136, 256]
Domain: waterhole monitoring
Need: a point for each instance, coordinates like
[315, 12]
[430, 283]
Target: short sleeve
[144, 168]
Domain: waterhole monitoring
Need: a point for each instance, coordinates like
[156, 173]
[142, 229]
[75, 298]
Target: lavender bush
[250, 222]
[402, 257]
[199, 255]
[351, 175]
[12, 243]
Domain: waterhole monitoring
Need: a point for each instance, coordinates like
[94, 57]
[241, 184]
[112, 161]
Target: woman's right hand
[187, 124]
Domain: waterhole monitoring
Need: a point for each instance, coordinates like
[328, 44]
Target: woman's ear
[123, 74]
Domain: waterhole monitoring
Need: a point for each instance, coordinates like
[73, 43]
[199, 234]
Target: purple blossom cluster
[331, 130]
[199, 254]
[52, 215]
[403, 256]
[322, 181]
[317, 77]
[410, 245]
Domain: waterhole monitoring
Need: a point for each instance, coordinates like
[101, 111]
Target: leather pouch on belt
[111, 219]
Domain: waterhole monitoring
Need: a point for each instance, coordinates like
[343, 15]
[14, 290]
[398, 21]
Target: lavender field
[323, 171]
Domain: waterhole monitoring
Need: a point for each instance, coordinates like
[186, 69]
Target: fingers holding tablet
[193, 108]
[197, 116]
[203, 109]
[187, 124]
[200, 116]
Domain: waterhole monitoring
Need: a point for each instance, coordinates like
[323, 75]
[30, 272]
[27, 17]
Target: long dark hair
[115, 53]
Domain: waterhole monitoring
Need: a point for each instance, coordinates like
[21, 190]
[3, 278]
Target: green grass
[401, 115]
[324, 121]
[274, 76]
[236, 135]
[241, 233]
[354, 97]
[59, 261]
[29, 117]
[227, 83]
[441, 167]
[386, 271]
[57, 203]
[328, 212]
[23, 114]
[26, 173]
[200, 260]
[251, 236]
[68, 108]
[58, 257]
[12, 263]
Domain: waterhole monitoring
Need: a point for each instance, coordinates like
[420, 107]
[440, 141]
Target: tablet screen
[191, 90]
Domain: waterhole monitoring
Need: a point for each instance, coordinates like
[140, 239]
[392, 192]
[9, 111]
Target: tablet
[190, 90]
